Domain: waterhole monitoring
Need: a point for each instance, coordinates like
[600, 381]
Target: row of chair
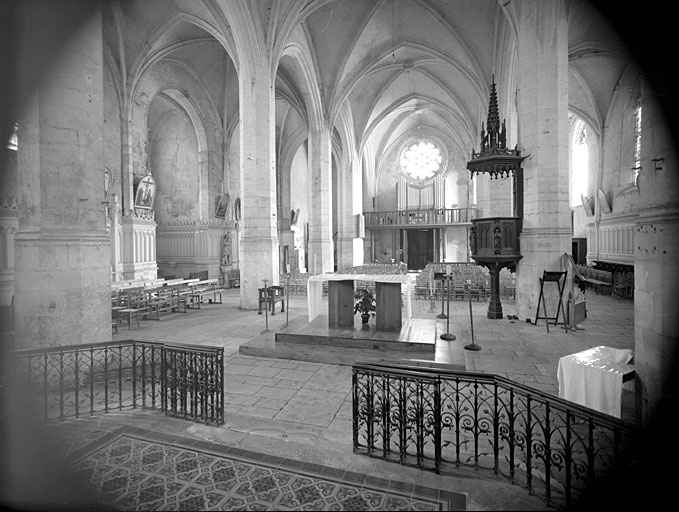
[623, 285]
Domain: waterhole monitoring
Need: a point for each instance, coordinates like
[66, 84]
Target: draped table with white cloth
[315, 288]
[594, 378]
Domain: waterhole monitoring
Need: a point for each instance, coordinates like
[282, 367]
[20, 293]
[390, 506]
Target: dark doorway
[579, 251]
[420, 248]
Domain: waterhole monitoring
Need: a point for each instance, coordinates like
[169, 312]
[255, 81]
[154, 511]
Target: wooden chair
[458, 291]
[130, 309]
[268, 297]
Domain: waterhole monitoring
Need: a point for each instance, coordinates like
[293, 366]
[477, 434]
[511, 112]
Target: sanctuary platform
[316, 341]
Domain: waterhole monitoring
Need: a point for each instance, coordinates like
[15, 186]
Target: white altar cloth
[594, 378]
[315, 288]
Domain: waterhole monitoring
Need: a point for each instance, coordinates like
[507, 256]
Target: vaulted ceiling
[378, 68]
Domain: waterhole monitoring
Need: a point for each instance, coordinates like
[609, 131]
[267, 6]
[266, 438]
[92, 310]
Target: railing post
[61, 385]
[512, 437]
[76, 376]
[548, 454]
[438, 427]
[163, 380]
[568, 457]
[91, 381]
[220, 367]
[457, 420]
[45, 389]
[529, 443]
[105, 379]
[134, 375]
[120, 378]
[153, 377]
[385, 415]
[496, 430]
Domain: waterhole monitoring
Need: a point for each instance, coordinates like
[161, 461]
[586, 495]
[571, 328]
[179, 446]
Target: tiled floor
[301, 411]
[135, 469]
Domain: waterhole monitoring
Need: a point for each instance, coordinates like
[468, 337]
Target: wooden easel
[552, 277]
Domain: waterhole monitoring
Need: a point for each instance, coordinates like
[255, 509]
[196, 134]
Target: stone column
[543, 129]
[320, 221]
[63, 270]
[349, 194]
[656, 252]
[259, 257]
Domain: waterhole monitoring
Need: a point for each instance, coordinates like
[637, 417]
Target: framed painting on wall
[222, 202]
[146, 193]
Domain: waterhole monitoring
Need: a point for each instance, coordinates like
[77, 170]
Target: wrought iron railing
[431, 418]
[434, 216]
[183, 381]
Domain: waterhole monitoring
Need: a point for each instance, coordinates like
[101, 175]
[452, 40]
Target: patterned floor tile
[134, 469]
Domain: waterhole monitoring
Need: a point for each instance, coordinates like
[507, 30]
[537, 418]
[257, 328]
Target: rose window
[421, 161]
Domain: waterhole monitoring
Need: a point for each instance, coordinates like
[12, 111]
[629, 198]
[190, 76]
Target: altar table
[594, 378]
[341, 300]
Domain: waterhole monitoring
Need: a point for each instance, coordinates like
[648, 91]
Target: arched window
[580, 161]
[13, 142]
[637, 143]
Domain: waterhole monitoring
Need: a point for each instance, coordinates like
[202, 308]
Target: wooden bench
[164, 300]
[137, 283]
[203, 289]
[600, 280]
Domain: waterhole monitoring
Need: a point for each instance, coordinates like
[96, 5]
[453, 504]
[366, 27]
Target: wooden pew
[207, 288]
[166, 299]
[600, 280]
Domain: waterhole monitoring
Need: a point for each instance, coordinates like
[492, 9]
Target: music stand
[441, 276]
[552, 277]
[447, 335]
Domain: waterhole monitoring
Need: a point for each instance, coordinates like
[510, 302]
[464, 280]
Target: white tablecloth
[315, 288]
[594, 378]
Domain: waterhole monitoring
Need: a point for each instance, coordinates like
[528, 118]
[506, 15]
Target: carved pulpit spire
[493, 118]
[494, 158]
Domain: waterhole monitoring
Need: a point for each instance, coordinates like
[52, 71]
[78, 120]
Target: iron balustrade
[430, 418]
[434, 216]
[184, 381]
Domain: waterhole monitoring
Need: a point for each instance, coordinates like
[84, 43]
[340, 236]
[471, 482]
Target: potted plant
[364, 302]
